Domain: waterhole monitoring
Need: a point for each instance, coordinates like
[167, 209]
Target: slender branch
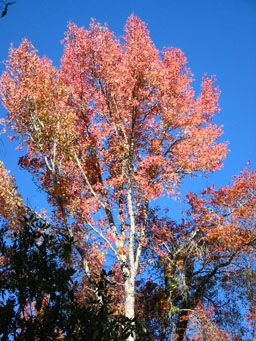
[47, 163]
[54, 155]
[101, 235]
[104, 205]
[87, 181]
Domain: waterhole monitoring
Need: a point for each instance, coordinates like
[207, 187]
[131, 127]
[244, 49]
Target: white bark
[129, 285]
[132, 229]
[129, 305]
[129, 298]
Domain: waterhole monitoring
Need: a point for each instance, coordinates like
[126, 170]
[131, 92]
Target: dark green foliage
[38, 291]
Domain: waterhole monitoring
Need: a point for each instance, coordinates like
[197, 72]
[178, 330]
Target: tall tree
[117, 126]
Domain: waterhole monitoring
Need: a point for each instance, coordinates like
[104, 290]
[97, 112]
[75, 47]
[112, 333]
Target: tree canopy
[115, 127]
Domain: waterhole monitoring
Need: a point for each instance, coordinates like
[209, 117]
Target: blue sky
[217, 36]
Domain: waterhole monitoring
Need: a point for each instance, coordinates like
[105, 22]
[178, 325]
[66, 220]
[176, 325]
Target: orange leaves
[132, 105]
[117, 116]
[89, 54]
[207, 102]
[228, 215]
[36, 100]
[198, 150]
[115, 127]
[240, 196]
[140, 54]
[11, 205]
[238, 201]
[202, 326]
[177, 78]
[26, 86]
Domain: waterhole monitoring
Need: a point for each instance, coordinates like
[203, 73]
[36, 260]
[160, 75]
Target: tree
[207, 265]
[39, 290]
[117, 126]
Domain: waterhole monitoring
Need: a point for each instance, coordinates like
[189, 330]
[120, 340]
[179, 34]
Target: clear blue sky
[217, 36]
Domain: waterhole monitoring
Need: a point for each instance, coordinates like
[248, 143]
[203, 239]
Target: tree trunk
[129, 304]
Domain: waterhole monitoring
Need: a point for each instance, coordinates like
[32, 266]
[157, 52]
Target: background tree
[117, 126]
[40, 290]
[203, 264]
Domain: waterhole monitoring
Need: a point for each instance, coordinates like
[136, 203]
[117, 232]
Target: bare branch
[87, 181]
[101, 235]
